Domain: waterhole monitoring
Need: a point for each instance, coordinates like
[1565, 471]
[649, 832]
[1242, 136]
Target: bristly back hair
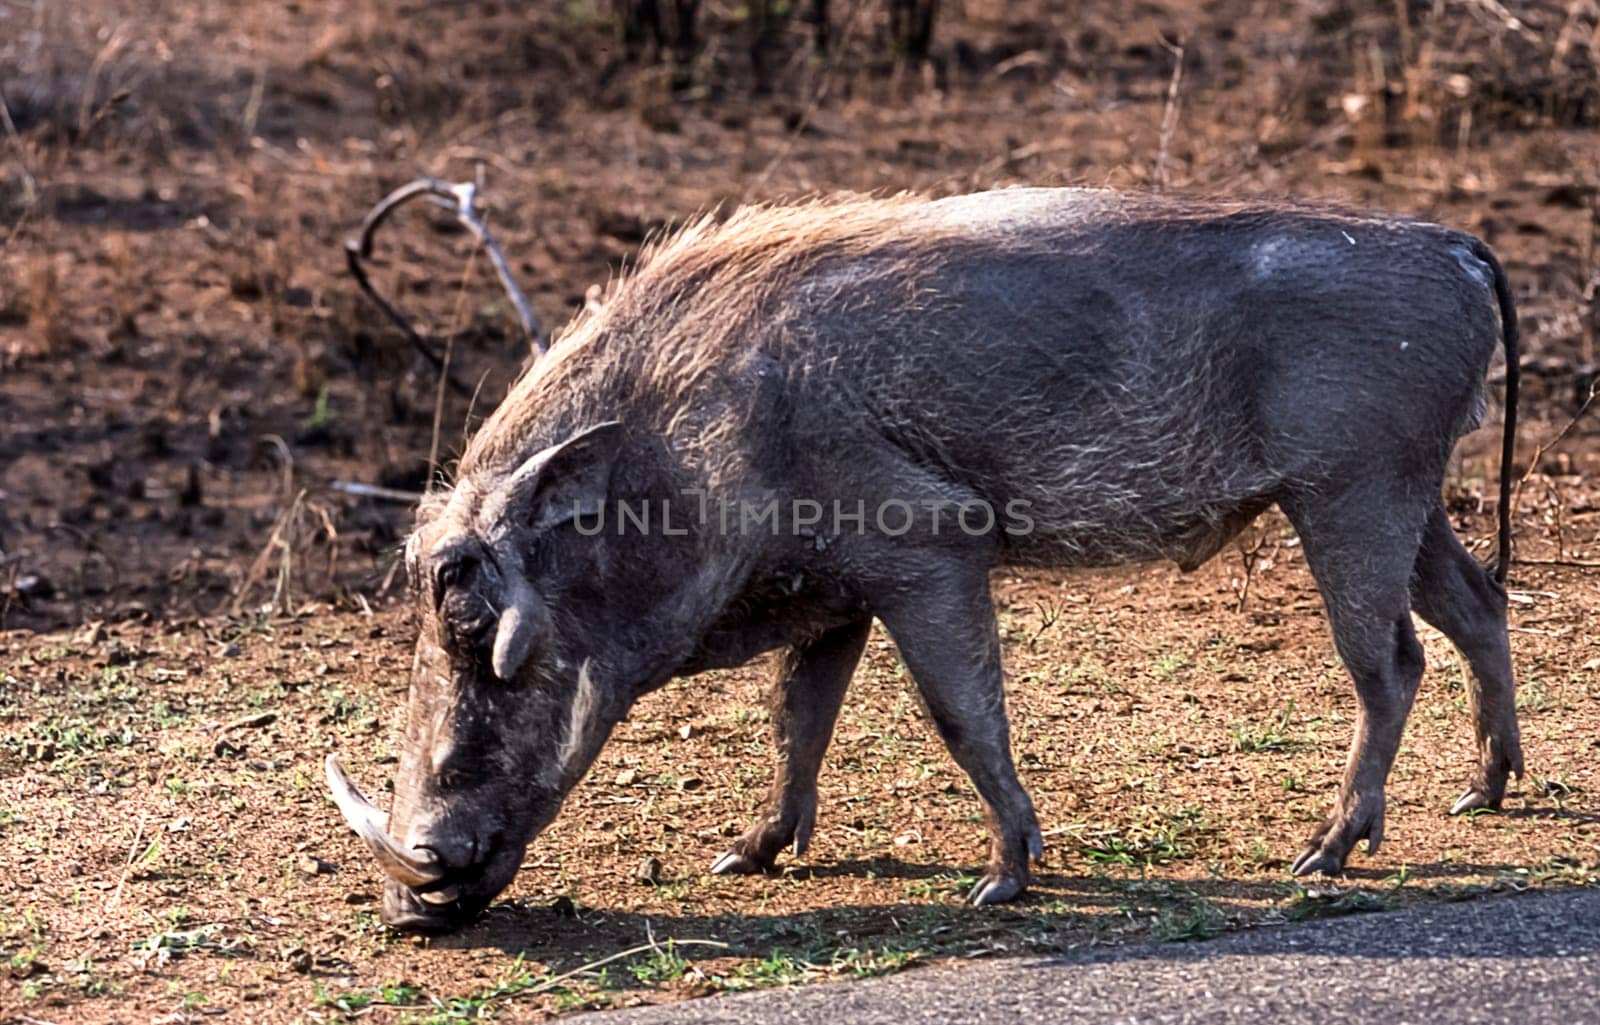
[682, 345]
[671, 335]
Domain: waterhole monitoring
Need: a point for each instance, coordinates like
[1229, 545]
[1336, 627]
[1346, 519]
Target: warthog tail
[1508, 444]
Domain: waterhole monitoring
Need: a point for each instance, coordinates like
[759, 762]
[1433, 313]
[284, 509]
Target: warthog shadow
[1062, 914]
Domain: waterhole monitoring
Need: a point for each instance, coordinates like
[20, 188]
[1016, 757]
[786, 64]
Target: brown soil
[195, 617]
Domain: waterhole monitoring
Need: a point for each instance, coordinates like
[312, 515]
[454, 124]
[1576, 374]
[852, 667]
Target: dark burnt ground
[184, 370]
[183, 354]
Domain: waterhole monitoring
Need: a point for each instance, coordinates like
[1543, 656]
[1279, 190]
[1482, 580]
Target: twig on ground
[280, 540]
[375, 491]
[1564, 563]
[256, 721]
[472, 403]
[30, 184]
[134, 854]
[1169, 114]
[1543, 448]
[251, 115]
[444, 374]
[1250, 556]
[285, 460]
[88, 115]
[1539, 452]
[1496, 13]
[556, 980]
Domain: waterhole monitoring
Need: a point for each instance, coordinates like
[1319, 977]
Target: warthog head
[507, 707]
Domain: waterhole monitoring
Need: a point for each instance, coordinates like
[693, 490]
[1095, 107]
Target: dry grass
[48, 328]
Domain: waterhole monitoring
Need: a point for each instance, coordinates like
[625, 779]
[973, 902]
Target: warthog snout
[441, 875]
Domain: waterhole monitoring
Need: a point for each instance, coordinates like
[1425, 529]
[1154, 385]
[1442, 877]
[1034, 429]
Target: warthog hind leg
[1461, 600]
[806, 694]
[1361, 546]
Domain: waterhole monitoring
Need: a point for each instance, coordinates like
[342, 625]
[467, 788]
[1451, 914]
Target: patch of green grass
[20, 964]
[956, 883]
[1168, 666]
[865, 963]
[391, 994]
[55, 738]
[791, 967]
[480, 1004]
[92, 985]
[817, 955]
[1165, 839]
[321, 417]
[1193, 918]
[1094, 676]
[662, 965]
[1274, 736]
[1557, 870]
[168, 717]
[351, 710]
[1309, 904]
[1534, 699]
[179, 941]
[778, 968]
[580, 1000]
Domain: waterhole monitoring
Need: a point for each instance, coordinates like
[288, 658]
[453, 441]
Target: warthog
[783, 425]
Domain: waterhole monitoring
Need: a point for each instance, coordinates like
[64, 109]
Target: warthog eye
[462, 585]
[452, 574]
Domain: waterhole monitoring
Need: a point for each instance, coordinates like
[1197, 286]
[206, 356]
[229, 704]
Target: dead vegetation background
[183, 356]
[194, 610]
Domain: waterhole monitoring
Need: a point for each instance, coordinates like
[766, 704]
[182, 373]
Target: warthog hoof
[1313, 861]
[1333, 841]
[1003, 881]
[737, 863]
[1476, 799]
[757, 851]
[1502, 760]
[997, 886]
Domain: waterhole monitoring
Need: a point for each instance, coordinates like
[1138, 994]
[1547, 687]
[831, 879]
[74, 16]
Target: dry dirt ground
[191, 616]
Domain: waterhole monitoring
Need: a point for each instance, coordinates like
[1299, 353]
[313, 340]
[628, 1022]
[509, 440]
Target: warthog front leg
[1461, 600]
[1361, 547]
[806, 694]
[944, 626]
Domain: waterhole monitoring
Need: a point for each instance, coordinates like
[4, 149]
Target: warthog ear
[559, 483]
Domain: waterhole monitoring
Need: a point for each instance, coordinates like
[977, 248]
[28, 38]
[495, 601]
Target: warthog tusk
[447, 895]
[413, 868]
[512, 639]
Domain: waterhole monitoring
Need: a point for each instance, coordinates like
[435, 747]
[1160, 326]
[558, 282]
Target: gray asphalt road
[1527, 960]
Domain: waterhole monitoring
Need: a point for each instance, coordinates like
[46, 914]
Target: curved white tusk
[413, 867]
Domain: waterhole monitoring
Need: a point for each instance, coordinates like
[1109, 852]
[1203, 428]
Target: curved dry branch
[461, 200]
